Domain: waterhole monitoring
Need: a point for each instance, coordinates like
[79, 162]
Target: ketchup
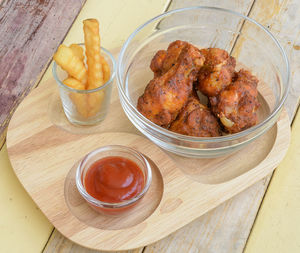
[114, 179]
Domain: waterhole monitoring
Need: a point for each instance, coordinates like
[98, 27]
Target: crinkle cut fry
[69, 62]
[92, 50]
[78, 51]
[78, 99]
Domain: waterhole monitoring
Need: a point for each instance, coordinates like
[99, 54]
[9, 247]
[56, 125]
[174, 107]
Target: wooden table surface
[243, 223]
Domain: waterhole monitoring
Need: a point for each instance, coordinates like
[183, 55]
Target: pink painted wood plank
[30, 33]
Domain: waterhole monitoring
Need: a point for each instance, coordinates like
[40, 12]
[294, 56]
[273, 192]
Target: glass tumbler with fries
[85, 84]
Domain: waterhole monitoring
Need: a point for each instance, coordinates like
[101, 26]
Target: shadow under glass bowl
[253, 46]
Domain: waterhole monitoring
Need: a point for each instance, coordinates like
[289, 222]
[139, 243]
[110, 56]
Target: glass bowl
[76, 102]
[253, 46]
[112, 209]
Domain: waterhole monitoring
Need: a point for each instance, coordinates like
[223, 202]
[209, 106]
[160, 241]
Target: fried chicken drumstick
[217, 71]
[168, 92]
[237, 104]
[196, 120]
[170, 100]
[163, 60]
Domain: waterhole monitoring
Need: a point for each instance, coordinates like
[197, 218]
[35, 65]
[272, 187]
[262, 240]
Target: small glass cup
[105, 208]
[85, 107]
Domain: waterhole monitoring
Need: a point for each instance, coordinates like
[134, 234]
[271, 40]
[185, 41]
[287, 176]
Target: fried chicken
[169, 100]
[196, 120]
[237, 104]
[163, 60]
[157, 62]
[217, 71]
[167, 94]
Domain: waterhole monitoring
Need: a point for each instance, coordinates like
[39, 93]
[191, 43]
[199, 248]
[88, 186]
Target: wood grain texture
[2, 139]
[59, 243]
[21, 220]
[183, 199]
[282, 19]
[217, 231]
[277, 226]
[30, 33]
[281, 232]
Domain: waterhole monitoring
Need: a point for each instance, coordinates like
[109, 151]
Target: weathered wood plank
[58, 243]
[277, 226]
[282, 19]
[30, 33]
[2, 139]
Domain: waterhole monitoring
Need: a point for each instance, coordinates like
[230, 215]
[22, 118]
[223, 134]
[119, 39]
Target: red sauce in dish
[114, 179]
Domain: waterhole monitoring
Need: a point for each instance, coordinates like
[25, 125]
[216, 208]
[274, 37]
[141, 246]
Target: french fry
[68, 61]
[80, 100]
[74, 83]
[95, 101]
[92, 51]
[105, 69]
[71, 59]
[78, 51]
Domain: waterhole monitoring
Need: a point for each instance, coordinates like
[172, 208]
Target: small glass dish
[85, 107]
[106, 208]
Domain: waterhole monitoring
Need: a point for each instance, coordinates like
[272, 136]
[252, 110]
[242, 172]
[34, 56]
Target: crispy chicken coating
[167, 94]
[157, 62]
[217, 71]
[196, 120]
[163, 60]
[237, 104]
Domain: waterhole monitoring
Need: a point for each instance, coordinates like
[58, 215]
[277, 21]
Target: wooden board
[215, 231]
[44, 156]
[31, 31]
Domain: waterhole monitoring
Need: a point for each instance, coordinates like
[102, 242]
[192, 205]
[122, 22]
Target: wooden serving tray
[44, 150]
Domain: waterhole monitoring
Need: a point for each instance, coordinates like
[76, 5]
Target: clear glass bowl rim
[99, 203]
[194, 139]
[112, 74]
